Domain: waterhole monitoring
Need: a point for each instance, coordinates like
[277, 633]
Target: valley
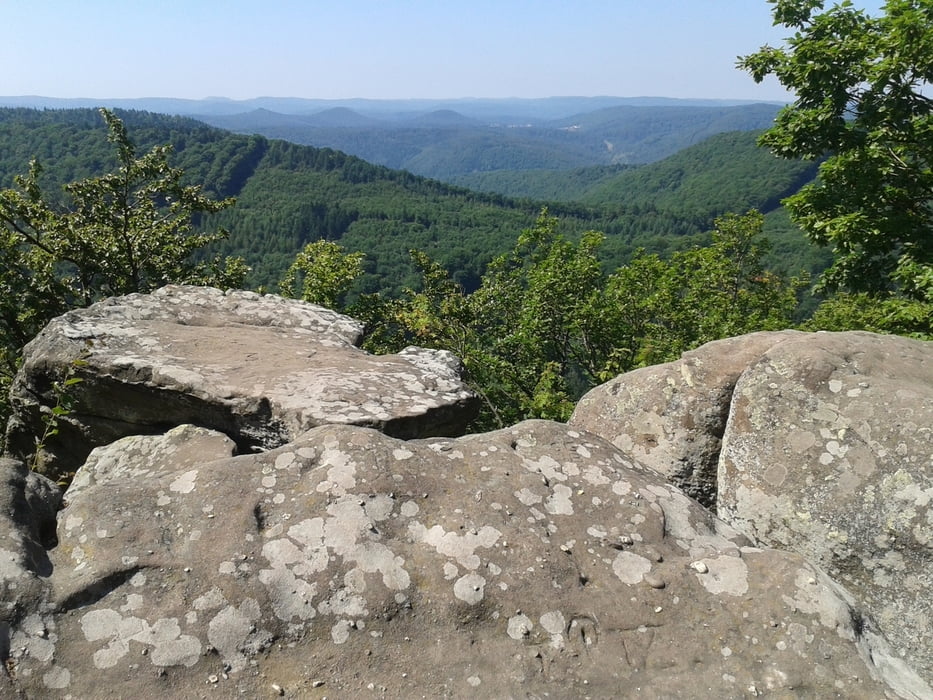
[490, 181]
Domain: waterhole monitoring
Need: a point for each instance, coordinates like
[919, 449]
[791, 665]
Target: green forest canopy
[288, 195]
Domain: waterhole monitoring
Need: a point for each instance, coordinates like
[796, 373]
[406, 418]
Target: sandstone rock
[672, 417]
[829, 453]
[261, 369]
[817, 443]
[529, 562]
[27, 524]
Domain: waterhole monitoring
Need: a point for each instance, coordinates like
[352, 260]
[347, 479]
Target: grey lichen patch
[169, 646]
[470, 588]
[817, 595]
[211, 600]
[312, 542]
[553, 621]
[559, 502]
[545, 465]
[184, 483]
[785, 521]
[233, 633]
[461, 548]
[528, 497]
[630, 567]
[341, 471]
[723, 574]
[12, 564]
[519, 626]
[57, 678]
[340, 632]
[36, 637]
[290, 595]
[410, 509]
[400, 453]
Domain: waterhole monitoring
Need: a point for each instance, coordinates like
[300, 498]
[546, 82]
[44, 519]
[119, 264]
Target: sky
[336, 49]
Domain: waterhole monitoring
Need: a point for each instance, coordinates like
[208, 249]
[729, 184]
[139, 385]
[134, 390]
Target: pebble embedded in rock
[655, 581]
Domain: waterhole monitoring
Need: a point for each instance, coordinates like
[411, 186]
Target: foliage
[546, 323]
[859, 82]
[897, 315]
[516, 332]
[726, 172]
[567, 185]
[288, 195]
[64, 405]
[699, 295]
[321, 274]
[127, 231]
[131, 230]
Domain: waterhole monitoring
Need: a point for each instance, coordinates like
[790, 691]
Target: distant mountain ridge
[486, 109]
[445, 139]
[445, 144]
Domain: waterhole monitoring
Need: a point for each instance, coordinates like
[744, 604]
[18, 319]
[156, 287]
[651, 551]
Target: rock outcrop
[261, 368]
[672, 417]
[345, 560]
[530, 561]
[821, 444]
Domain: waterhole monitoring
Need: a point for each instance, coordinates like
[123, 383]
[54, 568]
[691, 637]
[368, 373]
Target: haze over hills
[491, 110]
[444, 139]
[444, 144]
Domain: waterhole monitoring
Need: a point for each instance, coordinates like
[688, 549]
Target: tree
[131, 230]
[845, 311]
[662, 308]
[547, 324]
[859, 83]
[517, 335]
[322, 273]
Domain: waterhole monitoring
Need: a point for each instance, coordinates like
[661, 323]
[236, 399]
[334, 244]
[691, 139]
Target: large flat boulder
[261, 369]
[818, 443]
[536, 561]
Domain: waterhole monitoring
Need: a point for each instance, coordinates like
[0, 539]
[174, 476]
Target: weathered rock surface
[261, 369]
[529, 562]
[821, 444]
[672, 417]
[830, 453]
[28, 504]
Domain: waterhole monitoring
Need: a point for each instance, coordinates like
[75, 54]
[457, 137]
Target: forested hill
[289, 194]
[727, 171]
[444, 144]
[286, 194]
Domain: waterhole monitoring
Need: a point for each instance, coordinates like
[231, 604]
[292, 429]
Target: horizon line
[221, 98]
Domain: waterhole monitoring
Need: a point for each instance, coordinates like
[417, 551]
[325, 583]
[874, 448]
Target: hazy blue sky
[382, 49]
